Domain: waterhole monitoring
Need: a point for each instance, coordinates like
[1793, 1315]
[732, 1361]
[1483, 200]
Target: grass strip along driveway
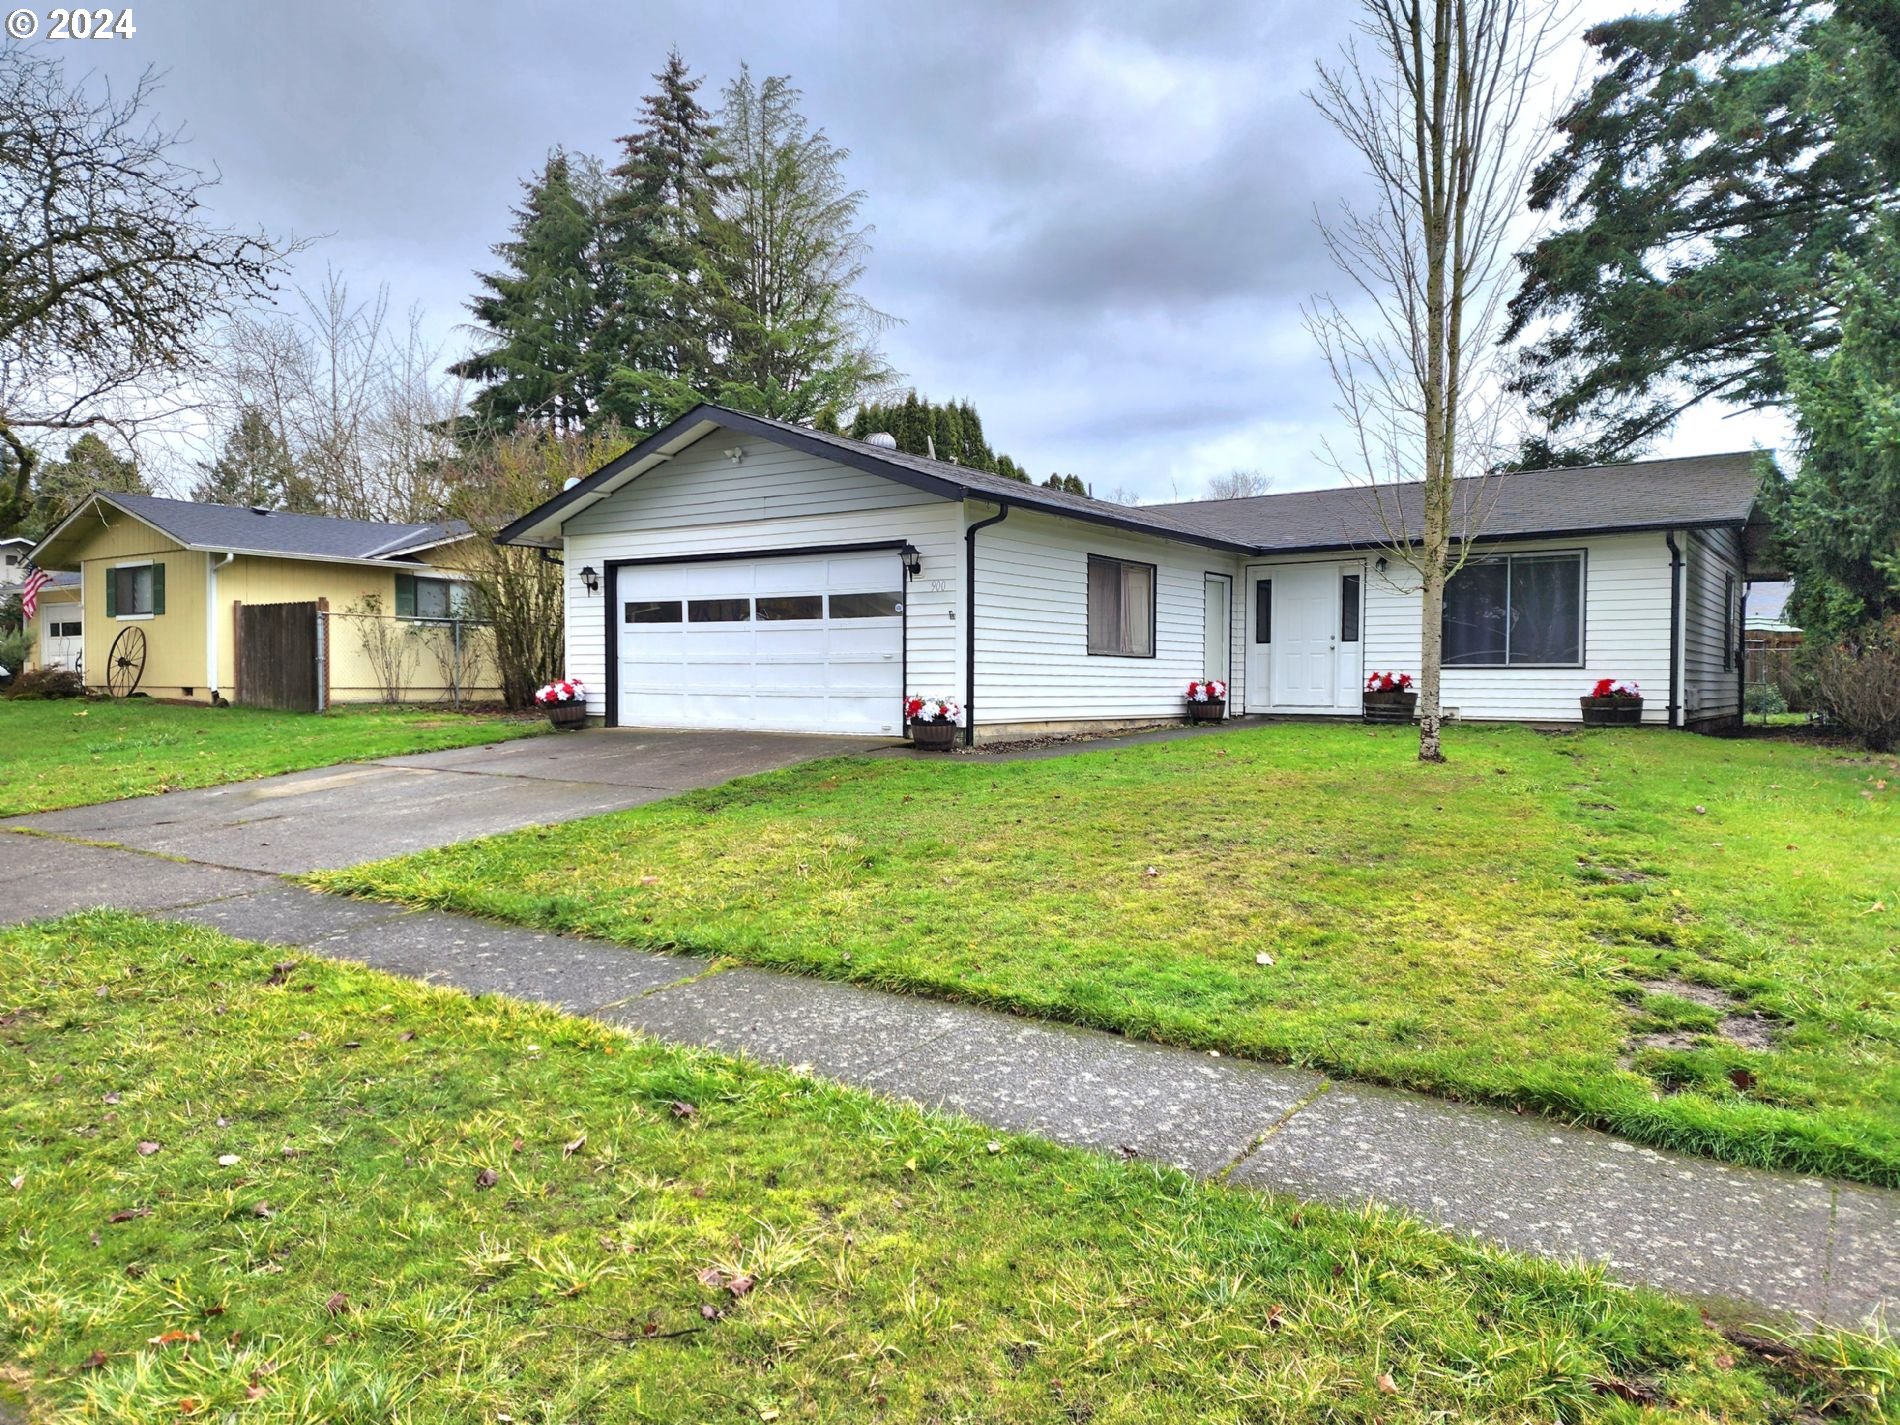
[74, 752]
[239, 1186]
[1686, 940]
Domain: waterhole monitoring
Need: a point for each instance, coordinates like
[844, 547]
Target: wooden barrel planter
[570, 716]
[1390, 707]
[1612, 712]
[1213, 710]
[933, 736]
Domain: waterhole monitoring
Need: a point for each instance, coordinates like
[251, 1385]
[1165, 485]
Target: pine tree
[918, 424]
[88, 467]
[542, 314]
[254, 467]
[794, 336]
[655, 224]
[1839, 518]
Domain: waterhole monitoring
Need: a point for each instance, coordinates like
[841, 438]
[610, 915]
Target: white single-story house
[736, 572]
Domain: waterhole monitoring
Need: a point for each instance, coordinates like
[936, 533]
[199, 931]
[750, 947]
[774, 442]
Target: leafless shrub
[1858, 682]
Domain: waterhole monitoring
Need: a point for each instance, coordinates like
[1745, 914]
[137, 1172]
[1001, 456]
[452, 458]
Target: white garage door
[807, 644]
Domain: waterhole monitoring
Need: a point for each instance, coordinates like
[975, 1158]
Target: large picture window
[1516, 610]
[1121, 608]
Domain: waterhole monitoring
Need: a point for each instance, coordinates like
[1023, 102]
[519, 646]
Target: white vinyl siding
[1714, 565]
[1625, 632]
[701, 502]
[1032, 622]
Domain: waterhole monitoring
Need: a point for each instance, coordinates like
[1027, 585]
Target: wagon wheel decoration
[125, 664]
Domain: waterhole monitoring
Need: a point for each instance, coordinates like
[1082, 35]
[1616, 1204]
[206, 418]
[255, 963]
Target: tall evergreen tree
[541, 316]
[655, 221]
[1839, 518]
[1728, 152]
[954, 430]
[254, 467]
[795, 339]
[88, 467]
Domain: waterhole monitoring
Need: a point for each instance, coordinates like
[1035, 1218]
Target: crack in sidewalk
[1260, 1139]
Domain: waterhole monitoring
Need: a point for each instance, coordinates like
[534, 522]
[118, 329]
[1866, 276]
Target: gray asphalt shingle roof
[1650, 494]
[273, 532]
[1645, 494]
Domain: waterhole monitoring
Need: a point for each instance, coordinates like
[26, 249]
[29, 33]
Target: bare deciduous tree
[355, 398]
[1238, 485]
[1440, 113]
[520, 591]
[110, 272]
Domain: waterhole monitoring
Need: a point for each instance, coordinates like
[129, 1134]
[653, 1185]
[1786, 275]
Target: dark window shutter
[405, 596]
[112, 593]
[158, 586]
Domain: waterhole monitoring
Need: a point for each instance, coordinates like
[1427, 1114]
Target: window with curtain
[1121, 608]
[1516, 610]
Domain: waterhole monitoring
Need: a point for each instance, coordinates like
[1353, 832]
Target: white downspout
[212, 565]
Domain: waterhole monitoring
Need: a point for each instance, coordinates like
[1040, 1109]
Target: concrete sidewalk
[1821, 1250]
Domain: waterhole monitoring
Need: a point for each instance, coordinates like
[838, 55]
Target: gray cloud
[1094, 219]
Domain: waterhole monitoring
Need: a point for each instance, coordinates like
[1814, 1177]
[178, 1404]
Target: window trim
[1582, 556]
[453, 582]
[112, 574]
[1154, 609]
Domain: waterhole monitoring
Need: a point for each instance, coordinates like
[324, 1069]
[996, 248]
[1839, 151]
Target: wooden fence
[280, 657]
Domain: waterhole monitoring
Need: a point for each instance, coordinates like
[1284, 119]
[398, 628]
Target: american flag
[36, 579]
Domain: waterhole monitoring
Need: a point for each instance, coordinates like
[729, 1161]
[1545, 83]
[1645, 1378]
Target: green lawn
[246, 1188]
[73, 752]
[1482, 930]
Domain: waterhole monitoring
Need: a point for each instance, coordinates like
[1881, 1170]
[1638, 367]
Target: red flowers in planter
[932, 710]
[568, 690]
[1207, 690]
[1388, 682]
[1614, 688]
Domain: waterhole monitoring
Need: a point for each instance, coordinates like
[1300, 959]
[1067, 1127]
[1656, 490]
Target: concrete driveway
[337, 816]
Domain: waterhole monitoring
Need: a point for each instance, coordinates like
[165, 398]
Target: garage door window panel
[653, 611]
[784, 608]
[718, 610]
[866, 605]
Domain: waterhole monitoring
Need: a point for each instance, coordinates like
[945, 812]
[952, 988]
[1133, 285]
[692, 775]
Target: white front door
[1217, 637]
[813, 643]
[62, 636]
[1305, 636]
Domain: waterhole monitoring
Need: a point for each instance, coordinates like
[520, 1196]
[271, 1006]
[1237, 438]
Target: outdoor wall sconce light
[591, 578]
[735, 453]
[913, 561]
[1380, 565]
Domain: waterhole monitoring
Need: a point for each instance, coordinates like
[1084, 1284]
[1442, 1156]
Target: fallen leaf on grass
[126, 1214]
[568, 1150]
[93, 1362]
[1635, 1392]
[337, 1304]
[172, 1338]
[147, 1148]
[1388, 1386]
[262, 1209]
[1742, 1079]
[16, 1183]
[280, 972]
[228, 1160]
[486, 1178]
[1276, 1317]
[682, 1109]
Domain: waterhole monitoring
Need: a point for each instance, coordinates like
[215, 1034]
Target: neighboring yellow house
[177, 570]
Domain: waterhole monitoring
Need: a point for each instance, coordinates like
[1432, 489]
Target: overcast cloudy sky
[1096, 221]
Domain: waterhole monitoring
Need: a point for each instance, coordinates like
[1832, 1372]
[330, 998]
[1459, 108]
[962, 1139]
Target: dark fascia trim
[1584, 532]
[793, 551]
[946, 486]
[744, 425]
